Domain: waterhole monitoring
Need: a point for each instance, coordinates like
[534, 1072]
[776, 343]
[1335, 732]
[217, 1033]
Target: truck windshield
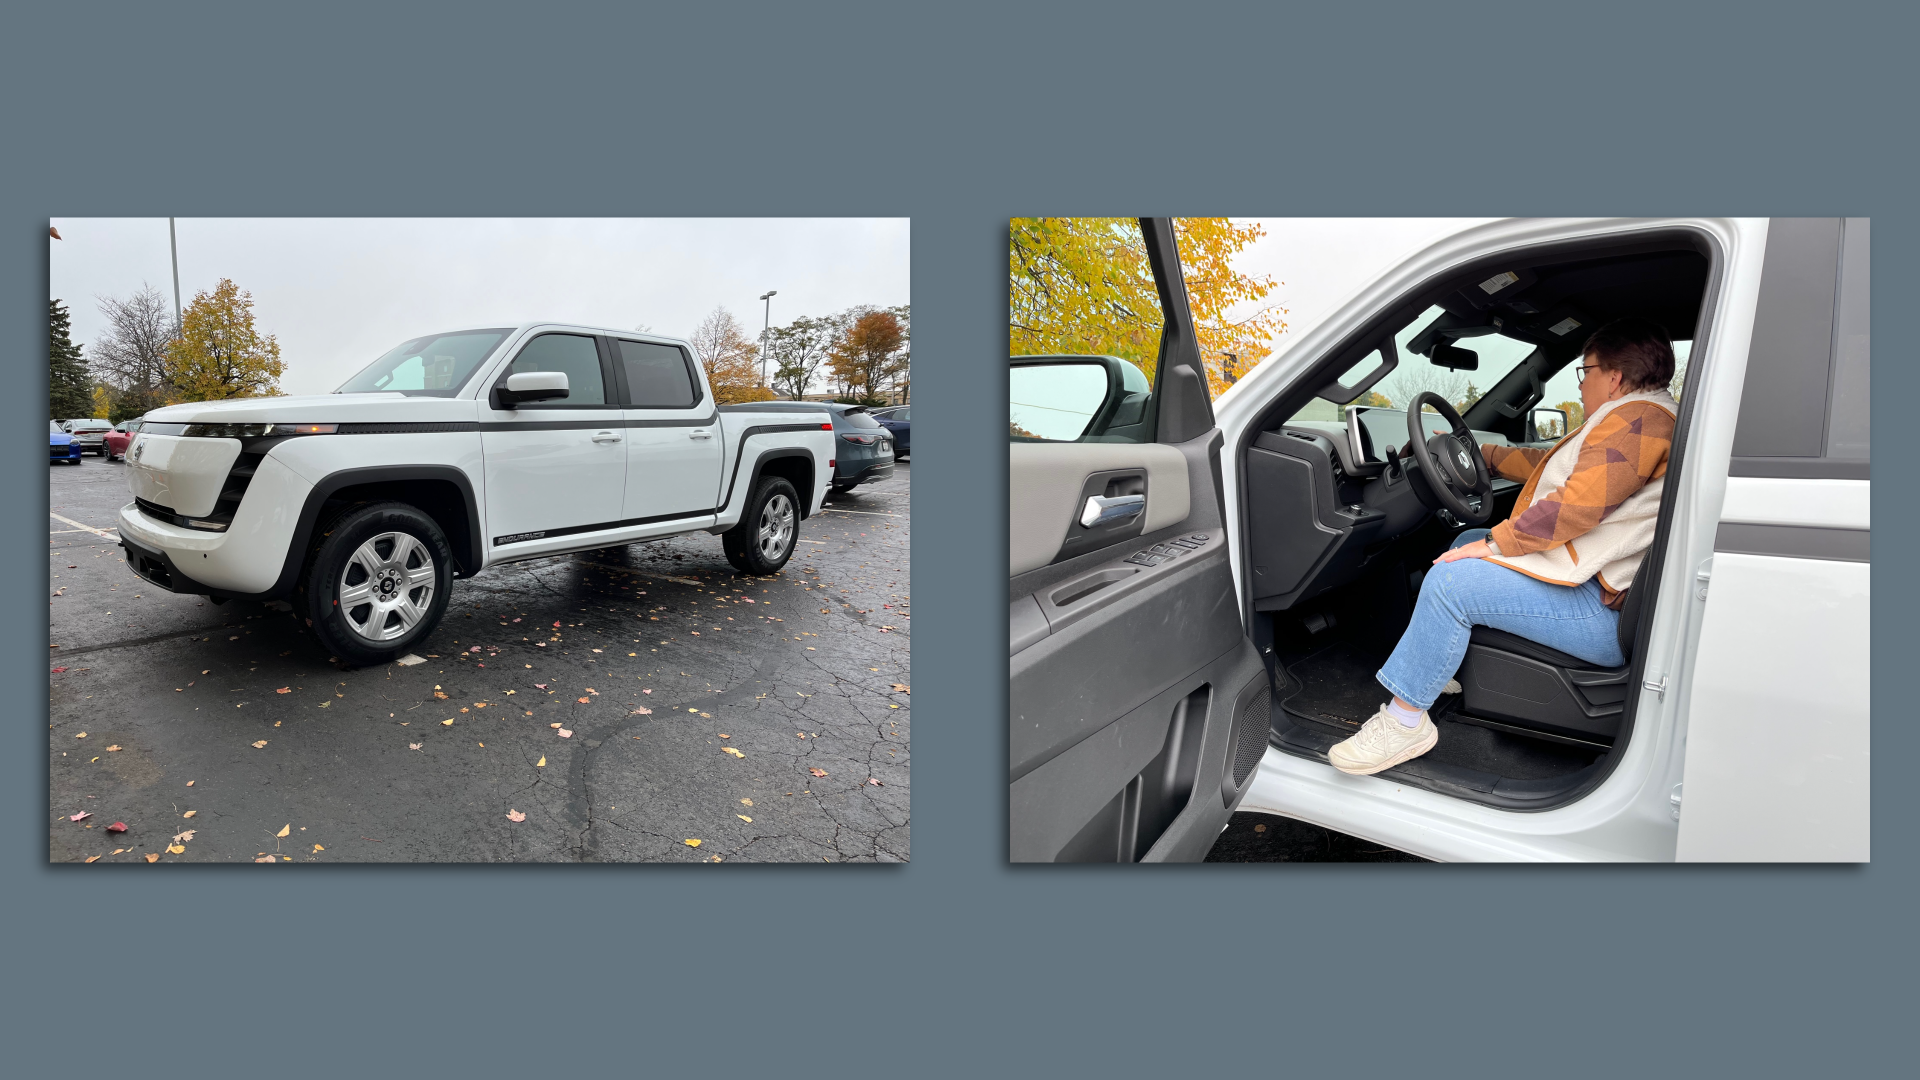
[434, 366]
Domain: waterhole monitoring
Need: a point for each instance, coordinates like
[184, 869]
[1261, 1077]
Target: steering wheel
[1450, 461]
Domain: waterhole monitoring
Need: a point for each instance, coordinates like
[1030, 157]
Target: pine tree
[69, 388]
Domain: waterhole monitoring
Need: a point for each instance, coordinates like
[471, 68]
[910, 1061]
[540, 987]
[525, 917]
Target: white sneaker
[1382, 743]
[1452, 687]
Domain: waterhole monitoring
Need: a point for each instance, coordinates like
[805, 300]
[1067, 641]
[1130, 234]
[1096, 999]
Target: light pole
[174, 243]
[764, 328]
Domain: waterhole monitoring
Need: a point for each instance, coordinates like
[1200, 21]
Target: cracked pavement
[677, 658]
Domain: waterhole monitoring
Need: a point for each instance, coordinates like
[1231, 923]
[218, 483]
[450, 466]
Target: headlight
[253, 431]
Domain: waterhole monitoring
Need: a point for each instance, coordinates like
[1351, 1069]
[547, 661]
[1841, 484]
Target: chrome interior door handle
[606, 437]
[1101, 510]
[699, 434]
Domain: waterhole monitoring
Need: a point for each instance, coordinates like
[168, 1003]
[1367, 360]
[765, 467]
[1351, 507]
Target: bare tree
[131, 355]
[1410, 380]
[730, 357]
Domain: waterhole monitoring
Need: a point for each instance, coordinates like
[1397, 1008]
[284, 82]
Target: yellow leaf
[731, 750]
[112, 748]
[260, 744]
[542, 763]
[189, 813]
[693, 843]
[746, 802]
[317, 847]
[91, 858]
[82, 735]
[152, 857]
[177, 849]
[744, 818]
[285, 829]
[448, 722]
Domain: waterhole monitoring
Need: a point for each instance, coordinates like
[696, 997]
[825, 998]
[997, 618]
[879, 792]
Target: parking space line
[869, 513]
[77, 526]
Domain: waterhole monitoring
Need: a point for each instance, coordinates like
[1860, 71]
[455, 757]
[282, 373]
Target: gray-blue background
[960, 118]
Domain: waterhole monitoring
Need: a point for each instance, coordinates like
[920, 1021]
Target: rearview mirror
[531, 386]
[1547, 424]
[1078, 398]
[1455, 358]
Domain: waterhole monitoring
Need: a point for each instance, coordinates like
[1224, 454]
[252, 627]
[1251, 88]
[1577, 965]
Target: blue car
[61, 446]
[899, 421]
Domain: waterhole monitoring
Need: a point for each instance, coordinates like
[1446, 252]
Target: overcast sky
[338, 292]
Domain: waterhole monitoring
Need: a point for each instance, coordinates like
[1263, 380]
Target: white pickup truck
[452, 453]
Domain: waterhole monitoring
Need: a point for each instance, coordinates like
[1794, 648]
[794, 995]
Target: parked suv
[452, 453]
[863, 449]
[898, 420]
[1201, 591]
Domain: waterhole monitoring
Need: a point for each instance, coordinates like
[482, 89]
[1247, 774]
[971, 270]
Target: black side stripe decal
[573, 425]
[1794, 542]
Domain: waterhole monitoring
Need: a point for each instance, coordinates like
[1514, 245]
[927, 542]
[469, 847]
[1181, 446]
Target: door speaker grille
[1250, 738]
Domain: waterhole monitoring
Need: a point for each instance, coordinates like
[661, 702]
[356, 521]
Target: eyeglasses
[1580, 373]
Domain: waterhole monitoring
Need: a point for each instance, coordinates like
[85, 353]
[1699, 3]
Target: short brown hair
[1639, 349]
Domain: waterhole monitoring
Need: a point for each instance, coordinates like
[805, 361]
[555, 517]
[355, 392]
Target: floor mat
[1334, 692]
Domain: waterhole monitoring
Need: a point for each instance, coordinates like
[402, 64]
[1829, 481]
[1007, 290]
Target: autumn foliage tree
[1084, 286]
[871, 354]
[730, 357]
[220, 354]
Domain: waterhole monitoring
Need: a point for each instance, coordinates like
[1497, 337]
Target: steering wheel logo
[1465, 461]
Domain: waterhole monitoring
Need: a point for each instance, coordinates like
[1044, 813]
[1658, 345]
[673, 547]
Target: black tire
[383, 547]
[768, 531]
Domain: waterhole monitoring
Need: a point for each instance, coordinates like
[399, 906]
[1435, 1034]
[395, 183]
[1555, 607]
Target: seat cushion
[1514, 643]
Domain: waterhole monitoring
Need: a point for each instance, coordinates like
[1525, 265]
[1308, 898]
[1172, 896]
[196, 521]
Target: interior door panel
[1131, 676]
[1044, 481]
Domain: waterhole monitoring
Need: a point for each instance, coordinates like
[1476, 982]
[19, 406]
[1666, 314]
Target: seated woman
[1555, 572]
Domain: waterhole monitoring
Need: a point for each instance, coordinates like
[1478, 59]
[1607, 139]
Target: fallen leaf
[260, 744]
[82, 735]
[90, 858]
[183, 837]
[118, 826]
[483, 746]
[731, 750]
[151, 856]
[746, 802]
[585, 701]
[81, 816]
[818, 772]
[57, 671]
[284, 690]
[646, 691]
[515, 815]
[285, 829]
[268, 858]
[540, 685]
[724, 735]
[463, 710]
[553, 725]
[415, 745]
[693, 843]
[189, 784]
[901, 688]
[641, 711]
[111, 749]
[874, 782]
[176, 849]
[189, 813]
[542, 763]
[116, 851]
[406, 661]
[317, 847]
[448, 722]
[440, 694]
[565, 734]
[744, 818]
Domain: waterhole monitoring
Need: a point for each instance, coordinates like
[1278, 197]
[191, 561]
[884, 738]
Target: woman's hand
[1476, 550]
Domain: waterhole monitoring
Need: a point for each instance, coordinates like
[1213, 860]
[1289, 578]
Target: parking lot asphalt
[628, 702]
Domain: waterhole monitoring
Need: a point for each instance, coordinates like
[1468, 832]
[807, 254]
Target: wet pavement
[625, 701]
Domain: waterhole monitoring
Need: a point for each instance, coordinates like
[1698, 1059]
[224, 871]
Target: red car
[118, 439]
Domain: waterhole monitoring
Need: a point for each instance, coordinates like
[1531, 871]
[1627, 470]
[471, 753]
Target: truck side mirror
[1545, 424]
[524, 386]
[1075, 398]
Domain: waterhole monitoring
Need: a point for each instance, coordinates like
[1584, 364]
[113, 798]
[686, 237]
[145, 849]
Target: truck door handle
[606, 437]
[1101, 510]
[699, 434]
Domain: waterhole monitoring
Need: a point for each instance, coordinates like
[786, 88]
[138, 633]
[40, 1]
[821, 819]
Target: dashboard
[1314, 523]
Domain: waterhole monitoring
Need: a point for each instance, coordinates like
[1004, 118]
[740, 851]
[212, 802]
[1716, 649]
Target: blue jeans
[1457, 596]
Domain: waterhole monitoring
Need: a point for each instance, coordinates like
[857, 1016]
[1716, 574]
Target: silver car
[92, 434]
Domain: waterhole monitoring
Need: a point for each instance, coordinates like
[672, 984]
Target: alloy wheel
[386, 587]
[775, 533]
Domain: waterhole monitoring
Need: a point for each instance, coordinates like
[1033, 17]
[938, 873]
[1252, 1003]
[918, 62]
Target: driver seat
[1515, 683]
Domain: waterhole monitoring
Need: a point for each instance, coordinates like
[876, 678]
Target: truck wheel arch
[442, 492]
[793, 462]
